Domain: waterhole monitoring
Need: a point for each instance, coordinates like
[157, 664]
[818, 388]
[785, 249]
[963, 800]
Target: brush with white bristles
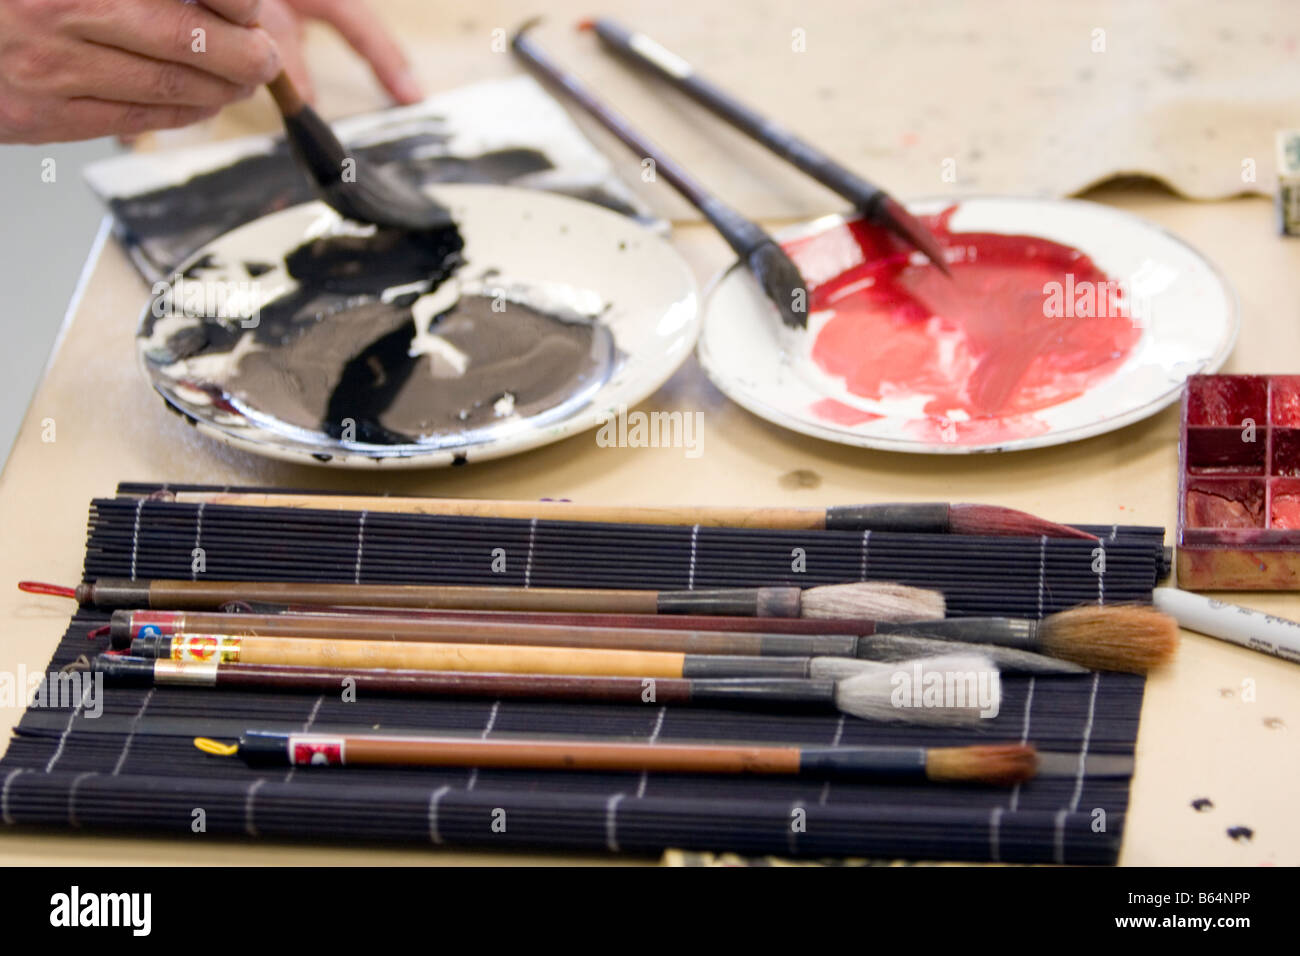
[857, 688]
[952, 690]
[869, 600]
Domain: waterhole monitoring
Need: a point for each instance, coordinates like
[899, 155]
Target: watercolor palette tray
[1239, 487]
[306, 337]
[1064, 319]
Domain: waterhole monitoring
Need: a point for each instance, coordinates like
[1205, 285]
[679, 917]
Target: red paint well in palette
[1239, 514]
[986, 349]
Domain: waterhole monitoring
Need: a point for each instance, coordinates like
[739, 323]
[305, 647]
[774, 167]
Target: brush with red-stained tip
[872, 201]
[913, 518]
[773, 270]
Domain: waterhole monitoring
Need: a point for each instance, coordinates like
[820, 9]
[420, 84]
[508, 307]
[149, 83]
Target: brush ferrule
[152, 646]
[774, 692]
[118, 592]
[122, 671]
[732, 602]
[200, 673]
[1003, 631]
[261, 749]
[875, 763]
[808, 645]
[721, 665]
[120, 629]
[919, 518]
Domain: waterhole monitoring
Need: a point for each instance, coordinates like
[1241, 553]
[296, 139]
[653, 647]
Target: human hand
[80, 69]
[284, 20]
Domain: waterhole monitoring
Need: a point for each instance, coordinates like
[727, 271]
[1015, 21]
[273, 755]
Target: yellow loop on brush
[216, 747]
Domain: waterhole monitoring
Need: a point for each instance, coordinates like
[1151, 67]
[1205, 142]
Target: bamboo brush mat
[134, 767]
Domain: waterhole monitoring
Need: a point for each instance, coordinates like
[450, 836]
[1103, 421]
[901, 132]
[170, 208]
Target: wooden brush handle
[209, 595]
[784, 519]
[562, 755]
[499, 632]
[286, 95]
[458, 657]
[414, 683]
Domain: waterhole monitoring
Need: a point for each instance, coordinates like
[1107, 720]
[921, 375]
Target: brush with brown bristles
[996, 765]
[1116, 637]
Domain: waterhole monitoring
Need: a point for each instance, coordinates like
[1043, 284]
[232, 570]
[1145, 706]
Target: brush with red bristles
[872, 201]
[1002, 765]
[911, 517]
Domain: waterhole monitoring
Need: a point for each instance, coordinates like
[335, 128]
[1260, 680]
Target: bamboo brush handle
[287, 98]
[776, 519]
[504, 632]
[210, 595]
[201, 595]
[459, 657]
[549, 755]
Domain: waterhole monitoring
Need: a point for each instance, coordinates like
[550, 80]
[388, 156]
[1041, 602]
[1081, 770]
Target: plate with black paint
[306, 337]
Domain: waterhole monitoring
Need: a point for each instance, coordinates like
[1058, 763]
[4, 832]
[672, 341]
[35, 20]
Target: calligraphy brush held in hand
[872, 201]
[777, 275]
[997, 765]
[352, 187]
[866, 694]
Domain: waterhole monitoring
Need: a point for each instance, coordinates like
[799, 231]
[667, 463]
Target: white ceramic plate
[1187, 323]
[601, 263]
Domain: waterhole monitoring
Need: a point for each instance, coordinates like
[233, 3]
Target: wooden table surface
[1222, 723]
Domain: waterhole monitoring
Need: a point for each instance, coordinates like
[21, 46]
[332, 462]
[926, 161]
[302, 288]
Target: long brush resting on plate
[868, 694]
[872, 201]
[923, 517]
[998, 764]
[126, 626]
[873, 600]
[772, 268]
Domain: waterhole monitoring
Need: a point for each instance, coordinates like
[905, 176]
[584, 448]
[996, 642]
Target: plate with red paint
[1063, 319]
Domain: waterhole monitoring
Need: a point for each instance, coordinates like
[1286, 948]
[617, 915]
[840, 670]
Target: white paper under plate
[1189, 325]
[528, 243]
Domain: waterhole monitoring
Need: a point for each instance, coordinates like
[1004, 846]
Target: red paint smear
[833, 410]
[1286, 400]
[1286, 511]
[979, 346]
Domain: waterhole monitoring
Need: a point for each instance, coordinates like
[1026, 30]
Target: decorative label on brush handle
[315, 751]
[204, 648]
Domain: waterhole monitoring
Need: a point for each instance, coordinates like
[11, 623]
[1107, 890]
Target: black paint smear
[171, 222]
[1202, 804]
[358, 265]
[368, 385]
[1240, 834]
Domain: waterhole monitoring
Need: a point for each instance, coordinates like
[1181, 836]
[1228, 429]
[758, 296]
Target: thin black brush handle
[742, 235]
[639, 50]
